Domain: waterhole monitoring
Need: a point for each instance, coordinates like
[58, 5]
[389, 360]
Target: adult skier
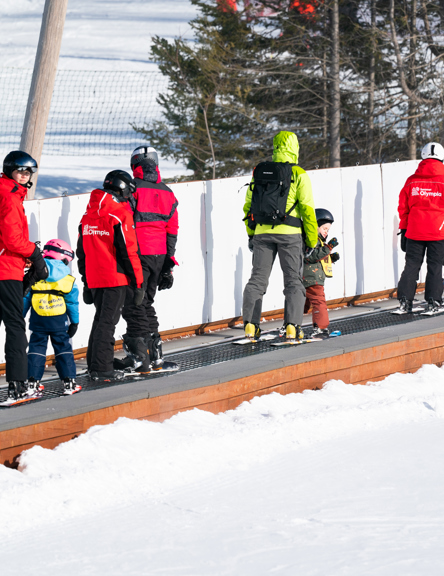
[157, 224]
[421, 222]
[275, 229]
[15, 250]
[108, 262]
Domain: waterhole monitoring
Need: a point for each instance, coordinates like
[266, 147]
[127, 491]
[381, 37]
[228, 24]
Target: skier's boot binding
[293, 332]
[154, 346]
[433, 306]
[33, 386]
[405, 306]
[106, 376]
[320, 332]
[252, 331]
[70, 386]
[17, 389]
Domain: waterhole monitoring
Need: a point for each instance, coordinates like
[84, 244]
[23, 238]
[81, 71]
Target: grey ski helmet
[142, 155]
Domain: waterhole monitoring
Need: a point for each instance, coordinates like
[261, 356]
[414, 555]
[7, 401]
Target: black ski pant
[414, 257]
[142, 320]
[108, 303]
[11, 314]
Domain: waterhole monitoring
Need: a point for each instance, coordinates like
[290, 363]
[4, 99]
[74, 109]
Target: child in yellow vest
[54, 304]
[317, 267]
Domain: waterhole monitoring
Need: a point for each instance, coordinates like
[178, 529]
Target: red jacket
[155, 216]
[421, 202]
[107, 246]
[15, 246]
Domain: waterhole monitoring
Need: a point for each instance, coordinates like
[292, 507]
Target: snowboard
[417, 308]
[296, 342]
[262, 338]
[166, 367]
[432, 312]
[16, 402]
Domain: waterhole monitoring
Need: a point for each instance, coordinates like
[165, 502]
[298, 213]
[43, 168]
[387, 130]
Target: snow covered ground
[343, 481]
[98, 35]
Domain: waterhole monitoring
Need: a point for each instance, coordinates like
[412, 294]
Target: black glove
[139, 293]
[334, 257]
[87, 295]
[39, 264]
[29, 279]
[72, 329]
[403, 240]
[166, 278]
[333, 243]
[250, 243]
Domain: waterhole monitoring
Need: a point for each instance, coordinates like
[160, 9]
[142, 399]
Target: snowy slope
[343, 481]
[98, 35]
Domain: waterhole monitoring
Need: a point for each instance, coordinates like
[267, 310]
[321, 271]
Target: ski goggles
[31, 169]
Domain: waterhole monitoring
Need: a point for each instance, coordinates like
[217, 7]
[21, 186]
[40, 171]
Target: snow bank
[134, 461]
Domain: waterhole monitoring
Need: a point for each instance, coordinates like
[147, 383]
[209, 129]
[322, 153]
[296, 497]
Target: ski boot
[321, 333]
[433, 307]
[17, 389]
[34, 386]
[137, 353]
[70, 386]
[405, 306]
[154, 345]
[252, 331]
[293, 332]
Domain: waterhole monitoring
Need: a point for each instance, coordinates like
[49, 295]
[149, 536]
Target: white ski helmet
[433, 150]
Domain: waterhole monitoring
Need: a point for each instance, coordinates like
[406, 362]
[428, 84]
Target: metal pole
[43, 78]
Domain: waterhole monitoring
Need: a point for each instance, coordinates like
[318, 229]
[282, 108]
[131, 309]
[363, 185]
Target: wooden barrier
[359, 367]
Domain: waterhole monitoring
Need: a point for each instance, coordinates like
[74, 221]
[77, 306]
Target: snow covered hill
[346, 481]
[98, 35]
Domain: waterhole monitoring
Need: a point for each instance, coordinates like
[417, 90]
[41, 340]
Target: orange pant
[315, 297]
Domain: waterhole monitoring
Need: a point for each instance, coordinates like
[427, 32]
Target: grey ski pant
[289, 248]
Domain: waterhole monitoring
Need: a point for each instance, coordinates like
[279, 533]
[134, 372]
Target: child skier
[317, 267]
[53, 301]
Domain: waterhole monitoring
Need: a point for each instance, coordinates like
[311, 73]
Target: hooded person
[421, 225]
[278, 197]
[15, 250]
[109, 262]
[156, 219]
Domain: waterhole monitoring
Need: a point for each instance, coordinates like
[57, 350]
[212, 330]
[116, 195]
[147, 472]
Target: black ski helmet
[323, 216]
[119, 182]
[144, 155]
[18, 159]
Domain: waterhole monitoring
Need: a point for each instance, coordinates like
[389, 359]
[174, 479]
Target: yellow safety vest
[327, 264]
[48, 297]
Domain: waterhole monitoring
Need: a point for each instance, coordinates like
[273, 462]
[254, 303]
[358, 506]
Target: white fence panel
[214, 260]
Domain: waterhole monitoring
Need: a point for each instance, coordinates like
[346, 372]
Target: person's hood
[430, 167]
[99, 199]
[286, 147]
[56, 270]
[147, 173]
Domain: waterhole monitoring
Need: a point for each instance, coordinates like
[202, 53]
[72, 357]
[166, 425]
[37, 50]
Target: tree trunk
[335, 107]
[43, 78]
[412, 121]
[371, 88]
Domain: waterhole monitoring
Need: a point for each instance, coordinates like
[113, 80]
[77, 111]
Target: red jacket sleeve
[403, 207]
[13, 235]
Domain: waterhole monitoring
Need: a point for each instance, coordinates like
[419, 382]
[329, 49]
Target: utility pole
[43, 78]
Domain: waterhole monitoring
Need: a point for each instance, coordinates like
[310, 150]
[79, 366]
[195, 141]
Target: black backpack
[272, 181]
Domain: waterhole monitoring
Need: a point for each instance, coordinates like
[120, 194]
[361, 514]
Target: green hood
[286, 148]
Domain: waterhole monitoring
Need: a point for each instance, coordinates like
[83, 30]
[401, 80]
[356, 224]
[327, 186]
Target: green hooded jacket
[286, 149]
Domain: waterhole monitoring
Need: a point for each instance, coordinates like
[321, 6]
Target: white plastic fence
[212, 250]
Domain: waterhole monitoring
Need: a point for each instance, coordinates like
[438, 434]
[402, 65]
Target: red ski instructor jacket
[421, 202]
[107, 248]
[15, 246]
